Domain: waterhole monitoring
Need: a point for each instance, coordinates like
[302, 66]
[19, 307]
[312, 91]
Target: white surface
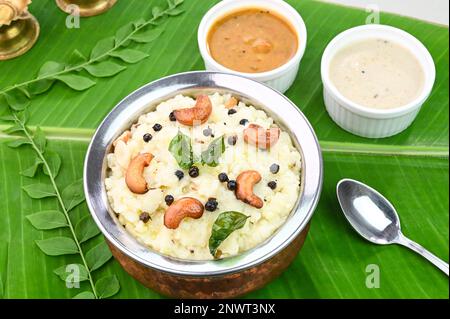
[436, 11]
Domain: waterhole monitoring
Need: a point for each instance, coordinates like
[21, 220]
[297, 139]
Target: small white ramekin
[365, 121]
[281, 78]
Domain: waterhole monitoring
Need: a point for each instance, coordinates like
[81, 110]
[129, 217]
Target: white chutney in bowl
[376, 79]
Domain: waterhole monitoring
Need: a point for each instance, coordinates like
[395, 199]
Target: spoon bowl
[369, 212]
[375, 219]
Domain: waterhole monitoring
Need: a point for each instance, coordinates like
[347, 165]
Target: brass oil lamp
[19, 30]
[86, 8]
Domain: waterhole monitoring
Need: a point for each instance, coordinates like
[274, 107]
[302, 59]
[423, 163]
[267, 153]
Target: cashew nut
[196, 115]
[263, 139]
[180, 209]
[244, 188]
[125, 137]
[232, 102]
[261, 46]
[134, 179]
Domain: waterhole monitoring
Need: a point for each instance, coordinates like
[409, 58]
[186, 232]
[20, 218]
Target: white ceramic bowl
[281, 78]
[365, 121]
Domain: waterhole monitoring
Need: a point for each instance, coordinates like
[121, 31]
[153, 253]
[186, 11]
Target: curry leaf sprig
[101, 62]
[68, 198]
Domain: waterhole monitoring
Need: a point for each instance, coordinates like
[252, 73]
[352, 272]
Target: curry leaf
[171, 3]
[129, 55]
[17, 100]
[39, 139]
[98, 256]
[175, 12]
[13, 129]
[123, 33]
[107, 286]
[18, 142]
[139, 23]
[181, 149]
[77, 58]
[57, 246]
[102, 47]
[73, 195]
[7, 118]
[49, 219]
[49, 68]
[86, 229]
[84, 295]
[54, 163]
[104, 69]
[38, 191]
[40, 86]
[212, 154]
[157, 12]
[21, 116]
[225, 224]
[146, 36]
[76, 82]
[24, 90]
[3, 103]
[31, 171]
[77, 271]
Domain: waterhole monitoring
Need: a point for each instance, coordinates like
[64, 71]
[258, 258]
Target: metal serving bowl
[229, 277]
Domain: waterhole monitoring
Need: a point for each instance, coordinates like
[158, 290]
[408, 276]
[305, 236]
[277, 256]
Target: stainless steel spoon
[375, 219]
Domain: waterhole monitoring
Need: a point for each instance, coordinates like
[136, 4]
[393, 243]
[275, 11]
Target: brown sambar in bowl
[252, 40]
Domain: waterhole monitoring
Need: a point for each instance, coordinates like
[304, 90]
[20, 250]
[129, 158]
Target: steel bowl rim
[187, 267]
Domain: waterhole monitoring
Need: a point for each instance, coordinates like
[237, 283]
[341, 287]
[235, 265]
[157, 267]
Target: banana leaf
[411, 169]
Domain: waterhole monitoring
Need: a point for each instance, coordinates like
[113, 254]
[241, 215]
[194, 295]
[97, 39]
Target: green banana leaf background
[411, 169]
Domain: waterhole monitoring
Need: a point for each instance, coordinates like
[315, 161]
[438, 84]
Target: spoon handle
[442, 265]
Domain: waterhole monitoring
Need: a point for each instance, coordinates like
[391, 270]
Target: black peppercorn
[194, 172]
[232, 140]
[243, 122]
[211, 205]
[274, 168]
[223, 177]
[179, 174]
[145, 217]
[231, 185]
[207, 132]
[169, 199]
[147, 137]
[172, 117]
[232, 111]
[272, 184]
[157, 127]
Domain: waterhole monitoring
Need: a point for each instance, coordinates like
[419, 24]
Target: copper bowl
[224, 278]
